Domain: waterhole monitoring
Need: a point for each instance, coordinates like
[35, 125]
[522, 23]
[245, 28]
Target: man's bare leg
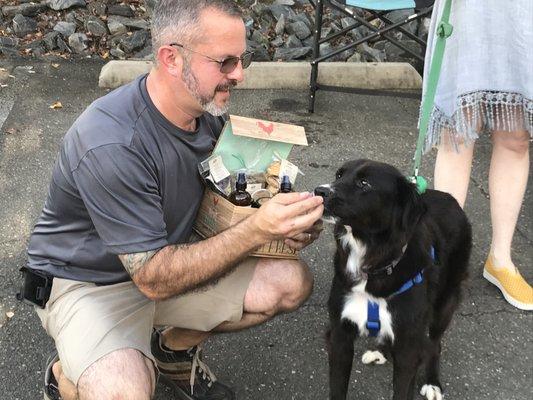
[183, 339]
[126, 374]
[277, 286]
[66, 388]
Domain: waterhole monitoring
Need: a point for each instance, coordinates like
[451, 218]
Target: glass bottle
[240, 197]
[285, 186]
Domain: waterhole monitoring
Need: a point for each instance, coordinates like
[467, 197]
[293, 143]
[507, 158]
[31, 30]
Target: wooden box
[217, 214]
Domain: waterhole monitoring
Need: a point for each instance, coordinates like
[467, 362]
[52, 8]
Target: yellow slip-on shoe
[513, 286]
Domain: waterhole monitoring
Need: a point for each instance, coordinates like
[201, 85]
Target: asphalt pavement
[487, 351]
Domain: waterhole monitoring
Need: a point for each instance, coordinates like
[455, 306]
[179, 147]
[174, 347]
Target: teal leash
[444, 30]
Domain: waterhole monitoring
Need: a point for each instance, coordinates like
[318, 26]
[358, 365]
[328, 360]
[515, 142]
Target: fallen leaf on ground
[10, 314]
[11, 131]
[55, 65]
[56, 105]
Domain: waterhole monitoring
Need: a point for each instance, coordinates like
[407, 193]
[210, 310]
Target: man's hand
[288, 216]
[304, 239]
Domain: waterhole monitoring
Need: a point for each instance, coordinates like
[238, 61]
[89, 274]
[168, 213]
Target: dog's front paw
[373, 357]
[431, 392]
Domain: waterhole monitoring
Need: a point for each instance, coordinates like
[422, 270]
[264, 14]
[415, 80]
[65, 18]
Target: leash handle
[444, 30]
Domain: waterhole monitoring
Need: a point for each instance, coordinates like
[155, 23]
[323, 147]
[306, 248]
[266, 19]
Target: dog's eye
[338, 174]
[363, 184]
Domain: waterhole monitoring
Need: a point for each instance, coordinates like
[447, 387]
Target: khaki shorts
[88, 322]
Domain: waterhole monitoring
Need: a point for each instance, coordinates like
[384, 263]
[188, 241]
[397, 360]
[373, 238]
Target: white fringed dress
[486, 81]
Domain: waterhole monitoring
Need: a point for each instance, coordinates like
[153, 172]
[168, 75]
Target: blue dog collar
[373, 323]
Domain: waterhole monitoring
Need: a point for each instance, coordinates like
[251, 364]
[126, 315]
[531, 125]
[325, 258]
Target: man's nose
[238, 73]
[323, 191]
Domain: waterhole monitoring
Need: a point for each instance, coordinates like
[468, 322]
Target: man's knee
[296, 285]
[123, 374]
[301, 287]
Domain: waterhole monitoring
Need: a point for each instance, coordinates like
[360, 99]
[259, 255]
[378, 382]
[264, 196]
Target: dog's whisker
[330, 220]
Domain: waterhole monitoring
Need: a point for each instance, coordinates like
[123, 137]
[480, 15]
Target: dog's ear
[410, 204]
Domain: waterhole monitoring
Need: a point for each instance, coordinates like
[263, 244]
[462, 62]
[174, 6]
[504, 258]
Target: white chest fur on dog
[356, 304]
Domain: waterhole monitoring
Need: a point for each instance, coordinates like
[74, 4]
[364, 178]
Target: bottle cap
[241, 181]
[285, 186]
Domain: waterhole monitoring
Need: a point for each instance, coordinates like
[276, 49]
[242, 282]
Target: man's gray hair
[178, 20]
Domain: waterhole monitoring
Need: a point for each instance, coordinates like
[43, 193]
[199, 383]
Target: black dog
[400, 262]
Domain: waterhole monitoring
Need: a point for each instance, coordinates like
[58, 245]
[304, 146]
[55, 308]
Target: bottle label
[253, 187]
[289, 169]
[217, 169]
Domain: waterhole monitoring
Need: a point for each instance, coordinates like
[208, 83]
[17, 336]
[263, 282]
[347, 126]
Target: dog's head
[372, 198]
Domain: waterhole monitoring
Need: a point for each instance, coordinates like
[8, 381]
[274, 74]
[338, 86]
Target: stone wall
[277, 30]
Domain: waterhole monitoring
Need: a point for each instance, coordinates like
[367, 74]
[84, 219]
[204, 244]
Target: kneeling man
[114, 237]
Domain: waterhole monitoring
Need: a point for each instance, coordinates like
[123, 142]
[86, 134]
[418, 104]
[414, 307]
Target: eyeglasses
[228, 64]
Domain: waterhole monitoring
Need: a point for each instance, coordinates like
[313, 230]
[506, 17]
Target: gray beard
[207, 102]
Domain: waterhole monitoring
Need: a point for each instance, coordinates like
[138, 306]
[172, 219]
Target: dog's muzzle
[326, 192]
[323, 191]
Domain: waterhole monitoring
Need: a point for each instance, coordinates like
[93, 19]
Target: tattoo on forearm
[135, 261]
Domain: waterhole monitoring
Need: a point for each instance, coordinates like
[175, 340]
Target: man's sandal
[185, 371]
[51, 389]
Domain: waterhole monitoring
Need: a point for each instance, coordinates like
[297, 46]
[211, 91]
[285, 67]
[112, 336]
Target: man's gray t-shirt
[126, 181]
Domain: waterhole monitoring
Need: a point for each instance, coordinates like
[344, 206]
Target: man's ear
[171, 60]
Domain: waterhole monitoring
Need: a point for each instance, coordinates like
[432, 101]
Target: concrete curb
[291, 75]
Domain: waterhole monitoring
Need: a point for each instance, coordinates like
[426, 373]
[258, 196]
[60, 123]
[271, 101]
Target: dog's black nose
[323, 191]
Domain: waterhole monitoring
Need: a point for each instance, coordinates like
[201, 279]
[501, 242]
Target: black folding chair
[375, 9]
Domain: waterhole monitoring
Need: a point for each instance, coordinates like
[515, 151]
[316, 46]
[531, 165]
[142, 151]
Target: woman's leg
[508, 176]
[452, 169]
